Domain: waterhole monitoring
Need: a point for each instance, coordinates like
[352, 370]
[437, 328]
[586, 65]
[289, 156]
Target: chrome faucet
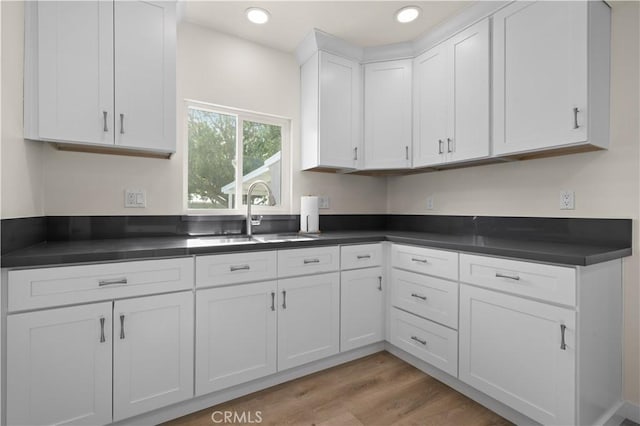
[271, 202]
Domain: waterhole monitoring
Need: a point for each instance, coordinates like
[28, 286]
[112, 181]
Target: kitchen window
[228, 150]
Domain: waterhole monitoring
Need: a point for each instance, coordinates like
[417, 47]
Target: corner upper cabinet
[101, 74]
[387, 115]
[551, 69]
[451, 99]
[331, 112]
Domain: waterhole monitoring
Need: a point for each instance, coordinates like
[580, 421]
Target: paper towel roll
[309, 220]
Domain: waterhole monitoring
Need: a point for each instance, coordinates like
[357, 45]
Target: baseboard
[630, 411]
[200, 403]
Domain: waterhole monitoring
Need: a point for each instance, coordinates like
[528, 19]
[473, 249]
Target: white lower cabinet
[59, 366]
[235, 335]
[98, 363]
[361, 308]
[520, 352]
[308, 319]
[152, 353]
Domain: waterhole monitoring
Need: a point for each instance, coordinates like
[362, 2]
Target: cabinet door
[468, 115]
[539, 75]
[430, 98]
[59, 366]
[145, 74]
[308, 319]
[235, 335]
[74, 67]
[339, 111]
[361, 308]
[511, 349]
[387, 115]
[152, 353]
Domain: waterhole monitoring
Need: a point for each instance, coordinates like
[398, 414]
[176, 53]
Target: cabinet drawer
[546, 282]
[308, 261]
[439, 263]
[431, 342]
[360, 256]
[428, 297]
[235, 268]
[66, 285]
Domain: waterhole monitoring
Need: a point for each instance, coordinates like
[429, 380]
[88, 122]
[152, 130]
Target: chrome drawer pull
[563, 344]
[380, 283]
[575, 118]
[122, 124]
[102, 339]
[510, 277]
[114, 281]
[364, 256]
[104, 121]
[284, 299]
[440, 146]
[273, 300]
[239, 268]
[413, 259]
[424, 342]
[449, 149]
[307, 261]
[419, 296]
[355, 153]
[122, 326]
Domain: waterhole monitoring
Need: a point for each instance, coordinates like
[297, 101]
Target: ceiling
[363, 23]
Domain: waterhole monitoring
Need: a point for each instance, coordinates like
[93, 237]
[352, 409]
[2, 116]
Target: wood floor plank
[376, 390]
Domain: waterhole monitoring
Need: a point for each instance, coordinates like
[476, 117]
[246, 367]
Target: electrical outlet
[136, 198]
[567, 200]
[430, 202]
[323, 201]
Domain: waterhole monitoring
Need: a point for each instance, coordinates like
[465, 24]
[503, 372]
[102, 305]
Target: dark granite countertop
[65, 252]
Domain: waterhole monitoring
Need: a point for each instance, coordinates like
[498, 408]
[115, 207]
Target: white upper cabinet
[451, 99]
[145, 75]
[101, 74]
[387, 115]
[550, 76]
[331, 112]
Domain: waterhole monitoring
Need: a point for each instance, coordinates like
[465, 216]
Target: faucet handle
[256, 220]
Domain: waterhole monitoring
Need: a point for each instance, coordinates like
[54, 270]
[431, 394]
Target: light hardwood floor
[377, 390]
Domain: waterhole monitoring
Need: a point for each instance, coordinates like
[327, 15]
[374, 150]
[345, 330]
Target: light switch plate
[135, 198]
[567, 200]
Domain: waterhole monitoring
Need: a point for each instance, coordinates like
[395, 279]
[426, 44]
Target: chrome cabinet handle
[364, 256]
[114, 281]
[406, 152]
[563, 344]
[284, 299]
[440, 146]
[273, 300]
[511, 277]
[575, 117]
[308, 261]
[121, 326]
[104, 121]
[239, 268]
[355, 153]
[449, 149]
[122, 124]
[419, 296]
[380, 283]
[424, 342]
[102, 339]
[413, 259]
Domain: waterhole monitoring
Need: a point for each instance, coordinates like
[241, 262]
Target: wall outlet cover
[567, 200]
[430, 202]
[135, 198]
[323, 201]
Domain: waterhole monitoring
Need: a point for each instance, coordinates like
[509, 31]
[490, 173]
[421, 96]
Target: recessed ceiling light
[407, 14]
[257, 15]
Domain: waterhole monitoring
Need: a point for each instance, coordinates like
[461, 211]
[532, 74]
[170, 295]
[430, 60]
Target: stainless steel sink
[279, 238]
[221, 240]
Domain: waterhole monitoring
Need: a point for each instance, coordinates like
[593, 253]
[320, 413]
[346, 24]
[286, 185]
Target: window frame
[241, 115]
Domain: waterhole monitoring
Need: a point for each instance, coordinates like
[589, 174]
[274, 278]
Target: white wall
[211, 67]
[606, 183]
